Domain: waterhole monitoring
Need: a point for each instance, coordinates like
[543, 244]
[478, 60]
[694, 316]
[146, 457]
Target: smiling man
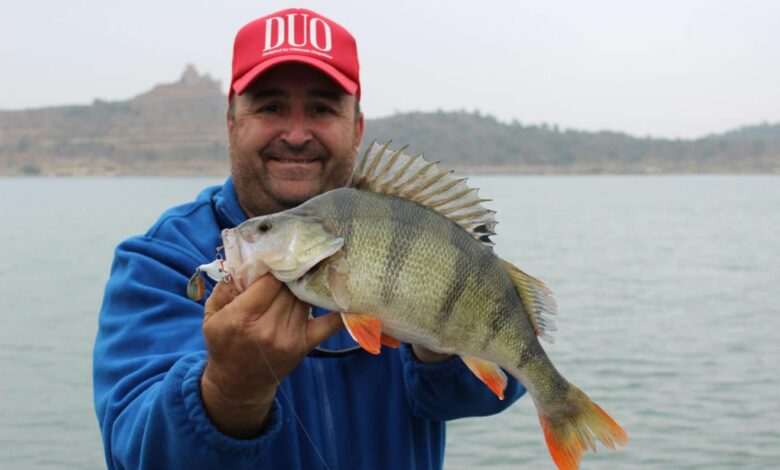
[234, 383]
[293, 135]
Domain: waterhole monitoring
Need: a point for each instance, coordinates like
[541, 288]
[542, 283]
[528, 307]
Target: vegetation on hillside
[179, 128]
[479, 142]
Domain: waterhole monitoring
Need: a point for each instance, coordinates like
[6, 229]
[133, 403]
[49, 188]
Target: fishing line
[289, 403]
[322, 353]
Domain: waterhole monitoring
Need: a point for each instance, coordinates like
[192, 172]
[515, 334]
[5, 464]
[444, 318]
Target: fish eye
[264, 226]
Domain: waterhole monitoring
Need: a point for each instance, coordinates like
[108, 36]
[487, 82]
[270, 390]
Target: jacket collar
[226, 206]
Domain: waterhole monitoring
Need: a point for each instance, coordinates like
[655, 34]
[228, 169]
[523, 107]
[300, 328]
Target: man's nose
[298, 130]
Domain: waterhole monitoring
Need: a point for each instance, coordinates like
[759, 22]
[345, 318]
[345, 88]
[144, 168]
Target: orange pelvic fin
[366, 330]
[389, 341]
[569, 436]
[489, 373]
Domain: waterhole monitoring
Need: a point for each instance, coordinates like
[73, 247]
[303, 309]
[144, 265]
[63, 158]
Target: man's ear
[230, 120]
[230, 114]
[358, 132]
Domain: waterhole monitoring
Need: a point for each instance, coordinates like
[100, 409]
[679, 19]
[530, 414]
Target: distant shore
[178, 129]
[212, 170]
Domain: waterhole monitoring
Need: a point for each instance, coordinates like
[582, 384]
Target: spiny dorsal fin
[537, 299]
[383, 170]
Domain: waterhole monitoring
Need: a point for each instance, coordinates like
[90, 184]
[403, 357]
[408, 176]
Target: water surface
[667, 288]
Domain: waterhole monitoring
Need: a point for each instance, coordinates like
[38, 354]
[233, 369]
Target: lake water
[668, 290]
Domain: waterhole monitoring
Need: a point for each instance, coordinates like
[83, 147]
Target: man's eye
[270, 108]
[322, 109]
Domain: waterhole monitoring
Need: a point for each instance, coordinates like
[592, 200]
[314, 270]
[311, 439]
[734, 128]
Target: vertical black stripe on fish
[526, 357]
[500, 316]
[346, 205]
[402, 240]
[460, 275]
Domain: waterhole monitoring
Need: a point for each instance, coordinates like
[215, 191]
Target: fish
[404, 253]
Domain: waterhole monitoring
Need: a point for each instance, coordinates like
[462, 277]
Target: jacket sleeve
[448, 390]
[148, 359]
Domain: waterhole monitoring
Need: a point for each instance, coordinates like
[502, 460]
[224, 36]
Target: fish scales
[427, 264]
[405, 251]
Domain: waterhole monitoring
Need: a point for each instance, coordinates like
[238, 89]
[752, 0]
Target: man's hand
[254, 341]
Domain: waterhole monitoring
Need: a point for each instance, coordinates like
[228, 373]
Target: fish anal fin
[364, 329]
[569, 435]
[489, 373]
[537, 300]
[389, 341]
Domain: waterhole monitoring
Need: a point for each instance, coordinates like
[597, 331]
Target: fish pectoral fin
[364, 329]
[338, 276]
[489, 373]
[389, 341]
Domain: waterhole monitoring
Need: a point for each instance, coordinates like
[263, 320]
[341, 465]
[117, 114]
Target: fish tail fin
[570, 434]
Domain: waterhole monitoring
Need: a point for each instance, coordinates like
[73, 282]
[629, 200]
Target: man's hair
[231, 109]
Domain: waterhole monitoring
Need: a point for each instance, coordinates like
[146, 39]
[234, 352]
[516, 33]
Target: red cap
[295, 35]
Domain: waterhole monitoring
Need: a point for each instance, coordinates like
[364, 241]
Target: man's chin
[295, 197]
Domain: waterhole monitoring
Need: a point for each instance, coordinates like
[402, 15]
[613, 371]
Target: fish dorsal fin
[537, 299]
[393, 172]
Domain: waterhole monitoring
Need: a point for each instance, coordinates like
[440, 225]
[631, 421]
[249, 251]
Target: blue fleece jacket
[355, 412]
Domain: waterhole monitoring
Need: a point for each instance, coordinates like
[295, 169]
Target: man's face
[293, 135]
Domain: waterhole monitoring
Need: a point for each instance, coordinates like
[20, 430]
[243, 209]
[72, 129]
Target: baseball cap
[295, 35]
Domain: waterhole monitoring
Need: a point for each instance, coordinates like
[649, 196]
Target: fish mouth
[231, 243]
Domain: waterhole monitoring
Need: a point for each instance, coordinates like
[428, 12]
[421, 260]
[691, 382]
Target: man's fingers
[282, 308]
[261, 293]
[254, 301]
[266, 297]
[320, 328]
[222, 294]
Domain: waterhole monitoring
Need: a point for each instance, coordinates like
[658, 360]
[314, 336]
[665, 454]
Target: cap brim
[240, 85]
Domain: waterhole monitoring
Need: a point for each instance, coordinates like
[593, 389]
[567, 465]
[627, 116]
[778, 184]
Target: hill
[176, 128]
[479, 143]
[179, 129]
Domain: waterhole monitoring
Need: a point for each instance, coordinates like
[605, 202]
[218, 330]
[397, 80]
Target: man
[231, 384]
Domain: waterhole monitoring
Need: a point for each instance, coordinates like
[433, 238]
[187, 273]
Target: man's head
[294, 122]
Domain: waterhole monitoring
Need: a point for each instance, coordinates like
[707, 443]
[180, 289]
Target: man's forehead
[295, 77]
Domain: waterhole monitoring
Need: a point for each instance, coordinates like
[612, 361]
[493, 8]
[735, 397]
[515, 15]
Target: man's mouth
[296, 160]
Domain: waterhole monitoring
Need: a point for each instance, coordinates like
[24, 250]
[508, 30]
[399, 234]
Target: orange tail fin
[570, 435]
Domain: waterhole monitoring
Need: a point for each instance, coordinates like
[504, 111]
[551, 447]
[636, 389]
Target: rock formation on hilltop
[175, 128]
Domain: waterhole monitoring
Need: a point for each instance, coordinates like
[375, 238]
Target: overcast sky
[661, 68]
